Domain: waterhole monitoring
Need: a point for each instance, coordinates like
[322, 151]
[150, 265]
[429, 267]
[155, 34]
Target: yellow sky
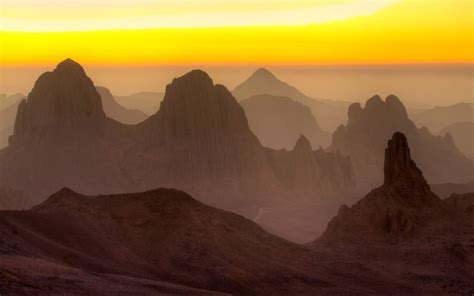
[236, 32]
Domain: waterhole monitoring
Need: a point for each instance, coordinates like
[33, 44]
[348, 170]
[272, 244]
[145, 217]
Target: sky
[244, 32]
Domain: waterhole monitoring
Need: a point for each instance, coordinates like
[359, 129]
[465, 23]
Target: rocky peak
[354, 113]
[60, 101]
[396, 208]
[264, 74]
[70, 66]
[374, 103]
[398, 163]
[396, 106]
[194, 106]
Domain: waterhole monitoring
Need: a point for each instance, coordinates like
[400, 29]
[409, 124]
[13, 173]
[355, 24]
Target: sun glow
[236, 32]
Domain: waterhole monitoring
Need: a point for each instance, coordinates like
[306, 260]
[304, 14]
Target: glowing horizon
[72, 16]
[250, 32]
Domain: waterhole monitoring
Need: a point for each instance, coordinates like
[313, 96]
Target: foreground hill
[407, 232]
[198, 141]
[118, 112]
[279, 121]
[161, 240]
[263, 82]
[367, 130]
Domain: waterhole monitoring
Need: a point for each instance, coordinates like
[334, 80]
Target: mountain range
[399, 239]
[369, 127]
[462, 133]
[199, 141]
[438, 118]
[263, 82]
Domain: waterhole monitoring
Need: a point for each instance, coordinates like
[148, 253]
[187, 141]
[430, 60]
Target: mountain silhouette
[279, 121]
[405, 231]
[199, 141]
[263, 82]
[440, 117]
[462, 135]
[367, 130]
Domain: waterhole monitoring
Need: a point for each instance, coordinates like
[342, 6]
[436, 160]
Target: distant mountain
[147, 102]
[198, 141]
[463, 136]
[7, 120]
[405, 230]
[263, 82]
[116, 111]
[438, 118]
[369, 128]
[8, 101]
[278, 122]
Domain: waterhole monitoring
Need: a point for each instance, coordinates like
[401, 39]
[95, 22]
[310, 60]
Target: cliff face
[198, 141]
[367, 130]
[63, 105]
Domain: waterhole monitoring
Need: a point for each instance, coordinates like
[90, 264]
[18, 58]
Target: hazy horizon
[436, 84]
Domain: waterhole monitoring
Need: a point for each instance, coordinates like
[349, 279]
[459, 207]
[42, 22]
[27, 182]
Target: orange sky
[410, 31]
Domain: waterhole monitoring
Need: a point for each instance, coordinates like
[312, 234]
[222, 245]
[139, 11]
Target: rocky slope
[405, 231]
[116, 111]
[279, 121]
[198, 141]
[162, 236]
[367, 130]
[263, 82]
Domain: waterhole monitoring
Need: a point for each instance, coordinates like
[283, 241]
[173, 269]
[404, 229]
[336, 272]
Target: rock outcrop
[368, 129]
[278, 122]
[394, 210]
[63, 105]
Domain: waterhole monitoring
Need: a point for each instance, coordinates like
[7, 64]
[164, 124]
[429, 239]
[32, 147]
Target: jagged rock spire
[398, 166]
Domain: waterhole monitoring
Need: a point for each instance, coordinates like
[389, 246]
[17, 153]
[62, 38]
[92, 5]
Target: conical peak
[398, 163]
[264, 73]
[70, 66]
